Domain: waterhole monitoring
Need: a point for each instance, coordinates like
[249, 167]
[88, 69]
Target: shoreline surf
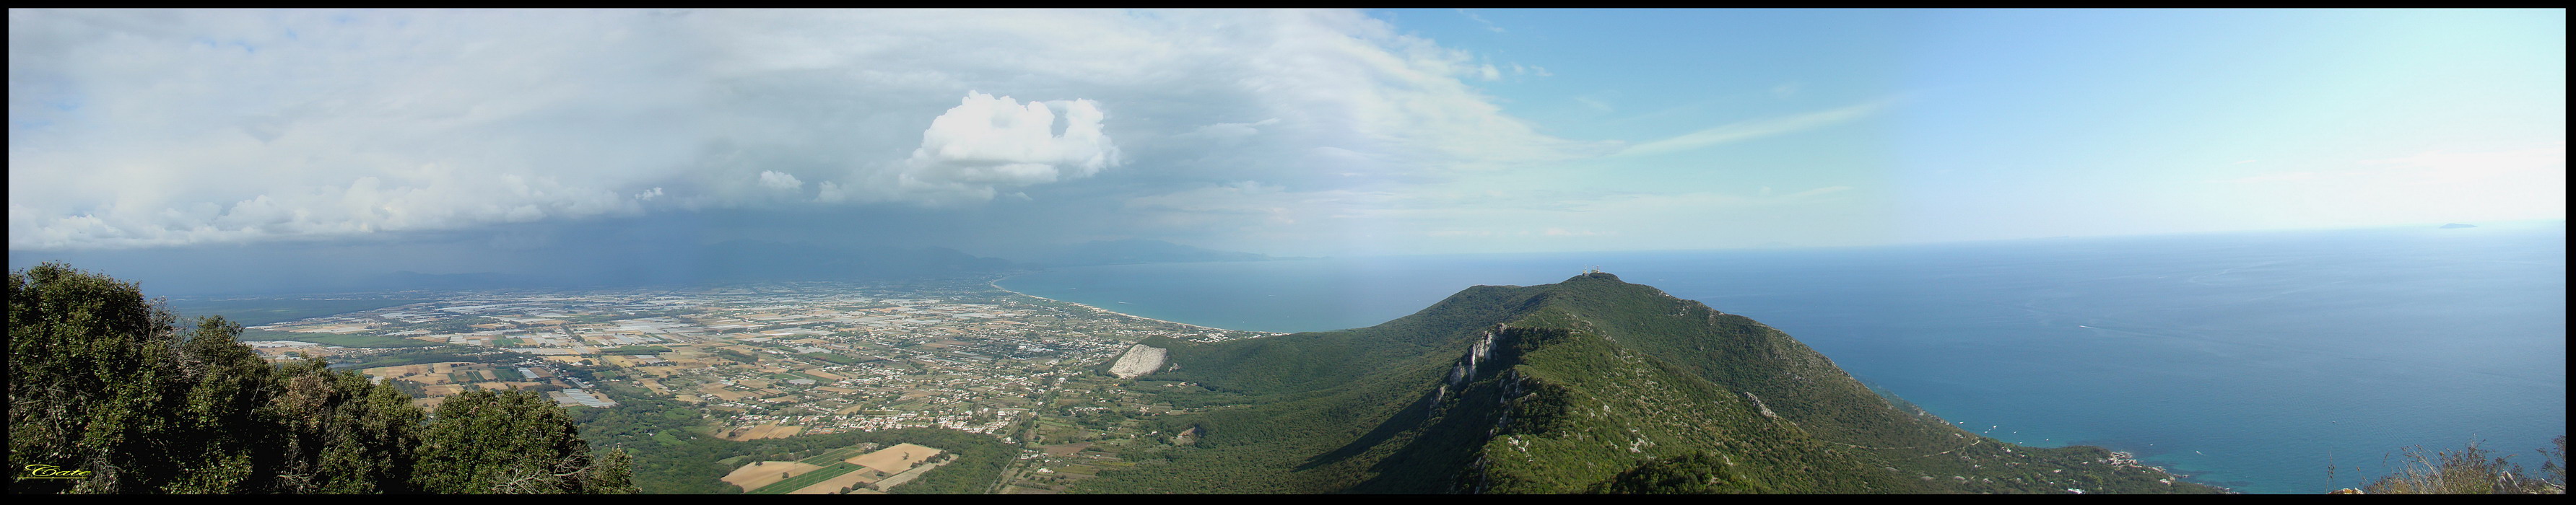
[996, 283]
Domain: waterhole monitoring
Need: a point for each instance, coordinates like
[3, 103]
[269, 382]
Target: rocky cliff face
[1465, 371]
[1139, 359]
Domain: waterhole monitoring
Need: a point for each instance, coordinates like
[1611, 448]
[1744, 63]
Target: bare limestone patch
[1139, 359]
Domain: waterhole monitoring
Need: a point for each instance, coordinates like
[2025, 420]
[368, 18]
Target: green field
[333, 339]
[808, 479]
[827, 457]
[259, 312]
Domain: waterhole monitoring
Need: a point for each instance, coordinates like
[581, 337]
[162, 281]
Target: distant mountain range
[1588, 385]
[1113, 252]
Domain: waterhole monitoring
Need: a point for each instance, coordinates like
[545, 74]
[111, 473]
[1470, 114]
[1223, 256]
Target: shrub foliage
[104, 381]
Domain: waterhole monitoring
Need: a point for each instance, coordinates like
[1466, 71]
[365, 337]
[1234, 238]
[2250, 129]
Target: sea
[2265, 362]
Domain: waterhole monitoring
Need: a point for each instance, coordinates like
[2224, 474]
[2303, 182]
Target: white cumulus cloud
[988, 142]
[780, 181]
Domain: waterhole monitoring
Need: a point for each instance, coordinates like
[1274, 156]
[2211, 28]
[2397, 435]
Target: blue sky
[487, 134]
[2009, 124]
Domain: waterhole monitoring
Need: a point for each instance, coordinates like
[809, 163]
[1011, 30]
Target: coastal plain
[775, 360]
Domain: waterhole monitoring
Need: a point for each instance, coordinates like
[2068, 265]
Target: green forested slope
[102, 381]
[1587, 385]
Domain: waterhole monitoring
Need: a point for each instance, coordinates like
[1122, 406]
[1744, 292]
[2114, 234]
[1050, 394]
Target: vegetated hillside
[107, 391]
[1589, 385]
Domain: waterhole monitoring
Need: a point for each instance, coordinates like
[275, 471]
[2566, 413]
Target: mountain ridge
[1591, 384]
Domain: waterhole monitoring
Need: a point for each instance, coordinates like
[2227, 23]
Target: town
[778, 360]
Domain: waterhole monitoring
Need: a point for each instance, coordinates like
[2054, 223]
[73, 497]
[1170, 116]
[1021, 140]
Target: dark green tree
[221, 428]
[1695, 473]
[344, 434]
[102, 380]
[511, 442]
[90, 365]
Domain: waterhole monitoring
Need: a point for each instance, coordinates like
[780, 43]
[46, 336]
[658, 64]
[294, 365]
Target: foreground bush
[104, 386]
[2473, 470]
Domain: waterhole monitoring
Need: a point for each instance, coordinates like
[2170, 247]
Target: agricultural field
[856, 480]
[761, 474]
[856, 468]
[809, 479]
[763, 431]
[432, 381]
[895, 459]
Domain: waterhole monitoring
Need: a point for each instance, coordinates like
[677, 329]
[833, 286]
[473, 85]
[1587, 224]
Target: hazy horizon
[177, 273]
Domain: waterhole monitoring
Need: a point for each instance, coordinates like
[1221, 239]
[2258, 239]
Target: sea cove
[2250, 360]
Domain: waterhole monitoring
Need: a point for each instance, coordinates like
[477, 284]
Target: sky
[472, 141]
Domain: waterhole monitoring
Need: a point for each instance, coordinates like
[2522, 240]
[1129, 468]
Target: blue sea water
[2251, 360]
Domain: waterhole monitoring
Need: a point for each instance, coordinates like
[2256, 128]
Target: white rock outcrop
[1479, 353]
[1139, 359]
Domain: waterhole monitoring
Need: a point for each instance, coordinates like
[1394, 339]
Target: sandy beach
[996, 284]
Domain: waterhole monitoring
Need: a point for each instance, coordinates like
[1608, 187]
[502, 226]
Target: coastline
[996, 283]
